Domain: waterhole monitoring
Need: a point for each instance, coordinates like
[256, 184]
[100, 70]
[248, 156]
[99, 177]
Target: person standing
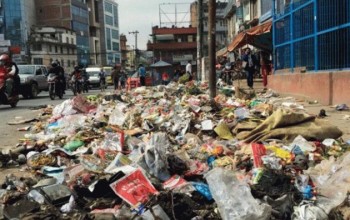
[142, 75]
[165, 78]
[102, 76]
[116, 76]
[123, 78]
[189, 70]
[250, 62]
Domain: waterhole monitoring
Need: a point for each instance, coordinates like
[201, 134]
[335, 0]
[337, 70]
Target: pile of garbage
[170, 152]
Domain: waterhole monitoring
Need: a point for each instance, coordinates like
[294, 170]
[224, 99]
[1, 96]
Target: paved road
[9, 135]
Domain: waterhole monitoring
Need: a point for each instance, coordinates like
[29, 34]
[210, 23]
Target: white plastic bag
[234, 199]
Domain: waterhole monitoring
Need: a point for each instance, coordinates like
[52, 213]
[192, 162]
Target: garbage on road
[169, 152]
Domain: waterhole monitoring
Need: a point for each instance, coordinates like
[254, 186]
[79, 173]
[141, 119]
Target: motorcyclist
[75, 76]
[12, 78]
[59, 72]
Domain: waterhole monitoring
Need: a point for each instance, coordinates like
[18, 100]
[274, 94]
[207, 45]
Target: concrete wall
[328, 88]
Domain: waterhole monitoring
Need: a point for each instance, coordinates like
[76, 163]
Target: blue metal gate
[311, 34]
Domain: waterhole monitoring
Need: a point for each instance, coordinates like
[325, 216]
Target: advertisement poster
[134, 188]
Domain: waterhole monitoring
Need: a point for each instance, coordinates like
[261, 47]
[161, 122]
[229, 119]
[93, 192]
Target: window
[62, 63]
[50, 48]
[97, 19]
[37, 47]
[115, 46]
[108, 39]
[68, 63]
[115, 9]
[109, 20]
[190, 38]
[115, 34]
[61, 50]
[38, 61]
[67, 40]
[68, 50]
[108, 7]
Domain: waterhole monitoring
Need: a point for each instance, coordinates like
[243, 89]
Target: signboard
[179, 58]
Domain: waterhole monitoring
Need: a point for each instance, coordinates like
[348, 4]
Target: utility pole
[211, 42]
[199, 38]
[136, 56]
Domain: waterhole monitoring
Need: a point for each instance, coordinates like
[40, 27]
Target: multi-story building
[53, 43]
[16, 18]
[72, 15]
[311, 49]
[221, 24]
[95, 8]
[123, 50]
[174, 45]
[110, 44]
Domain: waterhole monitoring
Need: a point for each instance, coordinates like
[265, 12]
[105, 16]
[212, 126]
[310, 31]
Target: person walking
[249, 63]
[123, 78]
[189, 70]
[142, 75]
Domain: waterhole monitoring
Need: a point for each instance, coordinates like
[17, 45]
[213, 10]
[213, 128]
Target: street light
[135, 33]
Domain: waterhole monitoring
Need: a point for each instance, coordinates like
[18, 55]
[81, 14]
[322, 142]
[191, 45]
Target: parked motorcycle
[226, 73]
[4, 98]
[55, 86]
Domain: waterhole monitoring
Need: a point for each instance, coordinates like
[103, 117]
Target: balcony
[230, 8]
[172, 46]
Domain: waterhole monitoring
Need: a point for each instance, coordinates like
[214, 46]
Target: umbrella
[160, 64]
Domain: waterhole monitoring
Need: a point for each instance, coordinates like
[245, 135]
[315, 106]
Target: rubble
[169, 152]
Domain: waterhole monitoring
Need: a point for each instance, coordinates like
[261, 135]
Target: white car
[94, 79]
[33, 80]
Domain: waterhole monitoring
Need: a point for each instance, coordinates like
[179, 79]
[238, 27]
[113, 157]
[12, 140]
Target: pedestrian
[102, 76]
[123, 78]
[142, 75]
[189, 69]
[165, 78]
[249, 63]
[116, 75]
[156, 77]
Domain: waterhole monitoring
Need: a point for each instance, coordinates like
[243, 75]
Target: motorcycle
[55, 86]
[77, 85]
[226, 73]
[4, 98]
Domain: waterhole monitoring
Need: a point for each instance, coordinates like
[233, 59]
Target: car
[94, 79]
[33, 80]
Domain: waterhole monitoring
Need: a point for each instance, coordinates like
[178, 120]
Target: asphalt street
[26, 109]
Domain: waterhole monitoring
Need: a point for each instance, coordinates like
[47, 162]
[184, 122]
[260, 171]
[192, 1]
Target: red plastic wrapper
[134, 188]
[259, 150]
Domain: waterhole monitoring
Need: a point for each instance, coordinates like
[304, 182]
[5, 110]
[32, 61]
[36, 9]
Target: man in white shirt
[189, 69]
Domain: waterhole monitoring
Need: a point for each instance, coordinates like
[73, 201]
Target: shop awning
[259, 36]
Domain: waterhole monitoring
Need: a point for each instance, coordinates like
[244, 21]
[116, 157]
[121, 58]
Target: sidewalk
[341, 119]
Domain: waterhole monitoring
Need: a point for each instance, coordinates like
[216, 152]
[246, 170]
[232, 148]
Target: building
[53, 43]
[16, 18]
[110, 42]
[311, 49]
[95, 31]
[72, 15]
[174, 45]
[221, 24]
[130, 58]
[123, 50]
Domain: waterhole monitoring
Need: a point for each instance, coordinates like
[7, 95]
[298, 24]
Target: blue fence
[312, 34]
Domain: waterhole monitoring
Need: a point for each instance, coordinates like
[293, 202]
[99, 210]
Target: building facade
[72, 14]
[53, 43]
[311, 49]
[110, 42]
[16, 18]
[123, 50]
[174, 45]
[95, 6]
[221, 24]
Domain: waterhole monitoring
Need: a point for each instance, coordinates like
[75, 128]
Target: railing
[229, 8]
[311, 34]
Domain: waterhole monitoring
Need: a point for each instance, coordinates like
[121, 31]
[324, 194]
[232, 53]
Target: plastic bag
[309, 212]
[155, 156]
[118, 117]
[234, 199]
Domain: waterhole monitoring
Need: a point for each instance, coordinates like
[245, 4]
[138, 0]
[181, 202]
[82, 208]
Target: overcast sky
[141, 15]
